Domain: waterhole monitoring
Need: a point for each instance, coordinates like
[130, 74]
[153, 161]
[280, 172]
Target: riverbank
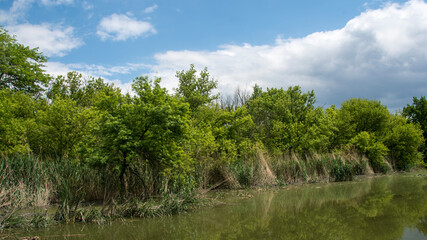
[28, 181]
[393, 204]
[184, 199]
[40, 217]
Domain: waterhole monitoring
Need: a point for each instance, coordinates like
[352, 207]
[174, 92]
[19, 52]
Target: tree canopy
[417, 114]
[21, 67]
[196, 90]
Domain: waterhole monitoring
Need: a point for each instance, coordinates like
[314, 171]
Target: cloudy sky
[341, 49]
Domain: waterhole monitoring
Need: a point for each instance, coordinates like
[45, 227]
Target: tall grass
[314, 167]
[259, 167]
[28, 181]
[271, 168]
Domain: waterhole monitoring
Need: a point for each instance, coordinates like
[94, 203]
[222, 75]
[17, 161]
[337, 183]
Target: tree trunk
[123, 185]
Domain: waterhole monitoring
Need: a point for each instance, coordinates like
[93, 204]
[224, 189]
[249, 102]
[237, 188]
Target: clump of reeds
[12, 219]
[272, 168]
[313, 167]
[27, 181]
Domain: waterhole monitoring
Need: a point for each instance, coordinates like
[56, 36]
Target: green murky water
[389, 207]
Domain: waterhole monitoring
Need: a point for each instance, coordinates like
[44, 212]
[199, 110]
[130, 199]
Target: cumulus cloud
[120, 27]
[52, 40]
[379, 54]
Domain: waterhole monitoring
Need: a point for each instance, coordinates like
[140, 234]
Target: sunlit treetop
[21, 67]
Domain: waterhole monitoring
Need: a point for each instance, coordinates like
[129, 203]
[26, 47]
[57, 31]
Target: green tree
[288, 120]
[21, 68]
[361, 115]
[404, 141]
[85, 92]
[70, 86]
[196, 90]
[417, 113]
[152, 127]
[375, 150]
[233, 131]
[17, 117]
[64, 129]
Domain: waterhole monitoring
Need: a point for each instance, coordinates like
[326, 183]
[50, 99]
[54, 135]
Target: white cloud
[16, 11]
[125, 87]
[151, 9]
[380, 54]
[56, 68]
[20, 7]
[87, 6]
[52, 40]
[56, 2]
[119, 27]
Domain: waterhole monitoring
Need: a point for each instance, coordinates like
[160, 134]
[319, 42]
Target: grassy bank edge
[29, 185]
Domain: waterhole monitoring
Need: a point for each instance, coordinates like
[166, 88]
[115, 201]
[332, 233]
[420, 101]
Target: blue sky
[371, 49]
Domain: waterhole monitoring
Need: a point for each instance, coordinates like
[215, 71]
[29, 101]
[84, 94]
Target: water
[389, 207]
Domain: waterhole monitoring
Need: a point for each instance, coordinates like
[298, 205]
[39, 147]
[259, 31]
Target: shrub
[341, 171]
[374, 150]
[404, 140]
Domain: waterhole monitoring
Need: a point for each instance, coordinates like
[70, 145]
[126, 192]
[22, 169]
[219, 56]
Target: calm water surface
[388, 207]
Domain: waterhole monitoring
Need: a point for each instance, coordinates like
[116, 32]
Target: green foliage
[30, 181]
[375, 150]
[287, 120]
[16, 118]
[70, 87]
[341, 172]
[232, 130]
[85, 92]
[361, 115]
[417, 114]
[151, 126]
[404, 140]
[21, 68]
[244, 170]
[195, 90]
[201, 142]
[64, 129]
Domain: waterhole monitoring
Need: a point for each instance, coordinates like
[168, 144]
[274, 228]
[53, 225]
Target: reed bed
[272, 168]
[27, 181]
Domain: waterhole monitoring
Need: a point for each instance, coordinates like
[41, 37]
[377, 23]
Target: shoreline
[43, 217]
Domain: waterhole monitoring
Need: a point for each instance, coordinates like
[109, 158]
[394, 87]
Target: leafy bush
[341, 171]
[404, 140]
[417, 114]
[243, 170]
[361, 115]
[375, 150]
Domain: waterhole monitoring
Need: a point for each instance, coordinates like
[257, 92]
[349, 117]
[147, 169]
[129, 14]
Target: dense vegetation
[73, 139]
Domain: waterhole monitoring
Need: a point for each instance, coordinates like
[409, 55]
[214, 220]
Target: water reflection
[391, 207]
